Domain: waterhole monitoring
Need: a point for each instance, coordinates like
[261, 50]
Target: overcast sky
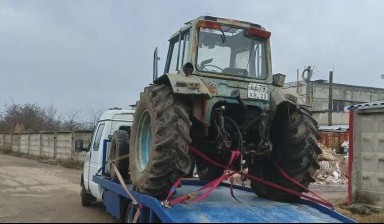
[77, 55]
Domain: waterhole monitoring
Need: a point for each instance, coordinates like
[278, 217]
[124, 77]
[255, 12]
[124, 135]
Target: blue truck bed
[220, 206]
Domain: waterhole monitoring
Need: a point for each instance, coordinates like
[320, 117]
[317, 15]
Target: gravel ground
[37, 192]
[337, 195]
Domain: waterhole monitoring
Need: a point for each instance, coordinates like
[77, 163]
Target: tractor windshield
[231, 51]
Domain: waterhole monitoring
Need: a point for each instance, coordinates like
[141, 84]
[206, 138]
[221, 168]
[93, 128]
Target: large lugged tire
[120, 147]
[294, 136]
[159, 141]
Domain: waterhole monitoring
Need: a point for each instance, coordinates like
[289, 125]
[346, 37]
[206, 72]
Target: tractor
[217, 94]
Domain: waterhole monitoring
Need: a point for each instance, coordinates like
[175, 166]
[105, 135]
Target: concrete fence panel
[63, 145]
[47, 145]
[368, 158]
[34, 144]
[7, 141]
[2, 141]
[24, 143]
[15, 143]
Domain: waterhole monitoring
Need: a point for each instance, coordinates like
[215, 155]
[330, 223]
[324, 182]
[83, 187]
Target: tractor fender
[182, 84]
[279, 96]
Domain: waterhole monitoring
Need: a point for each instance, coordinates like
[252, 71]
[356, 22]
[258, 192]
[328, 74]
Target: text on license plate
[258, 91]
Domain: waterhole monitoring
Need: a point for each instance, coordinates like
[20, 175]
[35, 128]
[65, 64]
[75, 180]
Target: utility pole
[307, 80]
[297, 82]
[330, 102]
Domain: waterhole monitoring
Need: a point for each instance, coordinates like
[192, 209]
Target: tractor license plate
[258, 91]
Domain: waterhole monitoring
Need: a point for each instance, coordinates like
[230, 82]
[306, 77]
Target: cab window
[173, 64]
[97, 141]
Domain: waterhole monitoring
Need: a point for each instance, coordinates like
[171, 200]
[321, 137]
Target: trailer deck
[219, 206]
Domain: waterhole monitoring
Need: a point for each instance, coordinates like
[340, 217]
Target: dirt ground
[32, 191]
[337, 195]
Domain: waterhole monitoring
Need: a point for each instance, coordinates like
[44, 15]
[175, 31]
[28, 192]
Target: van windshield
[230, 51]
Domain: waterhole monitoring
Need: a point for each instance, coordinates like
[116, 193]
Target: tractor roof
[226, 21]
[219, 20]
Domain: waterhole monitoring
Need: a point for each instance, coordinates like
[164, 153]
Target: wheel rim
[145, 141]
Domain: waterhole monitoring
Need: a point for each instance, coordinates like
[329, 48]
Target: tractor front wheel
[159, 141]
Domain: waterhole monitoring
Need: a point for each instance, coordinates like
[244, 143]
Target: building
[342, 96]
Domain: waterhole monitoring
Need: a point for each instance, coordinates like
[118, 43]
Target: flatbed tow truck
[122, 201]
[219, 207]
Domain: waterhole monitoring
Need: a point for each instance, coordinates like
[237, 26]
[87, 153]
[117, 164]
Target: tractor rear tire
[294, 136]
[120, 147]
[159, 141]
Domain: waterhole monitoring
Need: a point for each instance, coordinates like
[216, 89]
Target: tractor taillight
[259, 33]
[209, 25]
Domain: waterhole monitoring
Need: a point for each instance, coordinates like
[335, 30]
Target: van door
[95, 156]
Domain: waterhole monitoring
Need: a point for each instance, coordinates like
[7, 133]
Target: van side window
[99, 132]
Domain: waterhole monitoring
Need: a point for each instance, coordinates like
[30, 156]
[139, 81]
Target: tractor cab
[214, 46]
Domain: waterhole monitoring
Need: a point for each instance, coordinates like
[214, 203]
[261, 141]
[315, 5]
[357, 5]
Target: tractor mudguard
[182, 84]
[279, 96]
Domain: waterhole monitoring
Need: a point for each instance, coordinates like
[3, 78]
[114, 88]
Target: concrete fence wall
[57, 145]
[34, 144]
[368, 157]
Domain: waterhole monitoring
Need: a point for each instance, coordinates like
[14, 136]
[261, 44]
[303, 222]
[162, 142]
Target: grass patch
[71, 163]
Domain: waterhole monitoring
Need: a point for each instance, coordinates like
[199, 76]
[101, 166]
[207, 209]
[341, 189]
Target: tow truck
[100, 181]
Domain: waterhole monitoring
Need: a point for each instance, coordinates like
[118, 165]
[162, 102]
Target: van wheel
[86, 199]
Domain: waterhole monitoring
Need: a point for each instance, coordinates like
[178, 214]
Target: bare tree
[52, 123]
[93, 115]
[23, 118]
[33, 118]
[71, 121]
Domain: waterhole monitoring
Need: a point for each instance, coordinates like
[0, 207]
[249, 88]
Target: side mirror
[155, 64]
[203, 63]
[79, 146]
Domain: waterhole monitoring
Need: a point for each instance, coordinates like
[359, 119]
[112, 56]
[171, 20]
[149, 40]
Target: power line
[319, 72]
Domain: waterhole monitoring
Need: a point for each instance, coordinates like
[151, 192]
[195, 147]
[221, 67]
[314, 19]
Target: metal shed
[366, 157]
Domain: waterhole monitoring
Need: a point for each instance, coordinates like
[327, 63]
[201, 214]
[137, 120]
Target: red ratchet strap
[211, 186]
[320, 200]
[300, 185]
